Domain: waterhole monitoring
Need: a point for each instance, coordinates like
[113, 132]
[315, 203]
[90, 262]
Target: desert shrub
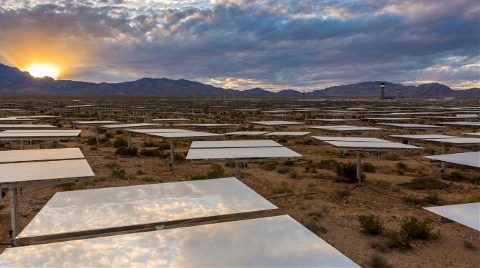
[118, 132]
[432, 199]
[67, 186]
[104, 140]
[395, 240]
[178, 157]
[316, 215]
[347, 172]
[474, 180]
[456, 176]
[216, 171]
[283, 170]
[342, 193]
[327, 164]
[310, 169]
[149, 144]
[282, 190]
[268, 166]
[412, 200]
[163, 154]
[371, 224]
[293, 176]
[120, 142]
[379, 262]
[308, 142]
[401, 166]
[124, 150]
[164, 146]
[383, 184]
[109, 135]
[93, 148]
[469, 245]
[149, 152]
[391, 156]
[368, 167]
[413, 228]
[380, 246]
[425, 184]
[288, 163]
[316, 228]
[91, 140]
[118, 174]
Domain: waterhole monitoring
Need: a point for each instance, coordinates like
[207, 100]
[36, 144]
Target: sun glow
[42, 70]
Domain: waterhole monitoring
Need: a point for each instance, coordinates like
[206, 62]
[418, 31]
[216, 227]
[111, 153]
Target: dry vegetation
[379, 224]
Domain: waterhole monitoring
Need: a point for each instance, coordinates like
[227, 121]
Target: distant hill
[15, 82]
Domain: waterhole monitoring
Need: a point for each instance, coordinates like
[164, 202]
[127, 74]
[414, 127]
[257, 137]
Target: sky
[241, 44]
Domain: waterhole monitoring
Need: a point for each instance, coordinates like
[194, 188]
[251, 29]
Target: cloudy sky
[274, 44]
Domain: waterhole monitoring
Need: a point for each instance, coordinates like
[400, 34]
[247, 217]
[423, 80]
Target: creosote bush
[149, 144]
[268, 166]
[401, 168]
[342, 193]
[413, 228]
[120, 142]
[179, 157]
[371, 224]
[282, 190]
[316, 228]
[410, 229]
[217, 171]
[368, 167]
[293, 175]
[124, 150]
[109, 135]
[283, 170]
[391, 156]
[327, 164]
[118, 174]
[310, 167]
[455, 176]
[347, 172]
[425, 184]
[431, 199]
[379, 262]
[149, 152]
[164, 146]
[91, 140]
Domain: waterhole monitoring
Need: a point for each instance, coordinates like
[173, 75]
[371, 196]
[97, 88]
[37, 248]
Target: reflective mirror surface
[98, 209]
[466, 214]
[469, 159]
[265, 242]
[39, 155]
[240, 153]
[48, 170]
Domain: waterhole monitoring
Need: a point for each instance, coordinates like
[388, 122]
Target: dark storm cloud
[275, 44]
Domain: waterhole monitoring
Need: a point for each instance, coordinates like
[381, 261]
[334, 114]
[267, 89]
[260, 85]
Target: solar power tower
[382, 90]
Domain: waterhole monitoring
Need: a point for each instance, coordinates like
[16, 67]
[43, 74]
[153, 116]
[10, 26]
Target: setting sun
[42, 70]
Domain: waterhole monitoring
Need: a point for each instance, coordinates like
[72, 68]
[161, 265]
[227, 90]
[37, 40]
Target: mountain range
[15, 82]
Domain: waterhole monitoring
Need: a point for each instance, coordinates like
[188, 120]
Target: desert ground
[308, 189]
